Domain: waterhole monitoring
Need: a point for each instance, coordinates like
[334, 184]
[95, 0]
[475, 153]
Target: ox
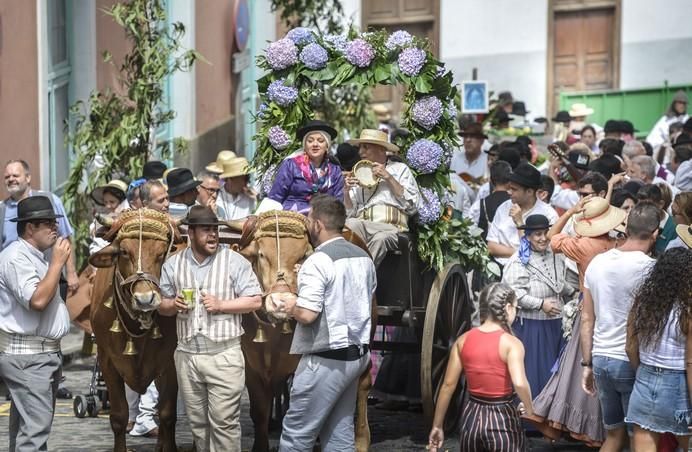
[135, 344]
[274, 243]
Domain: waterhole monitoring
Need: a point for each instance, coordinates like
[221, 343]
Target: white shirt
[475, 211]
[612, 277]
[235, 206]
[362, 198]
[475, 169]
[659, 133]
[503, 230]
[461, 200]
[564, 198]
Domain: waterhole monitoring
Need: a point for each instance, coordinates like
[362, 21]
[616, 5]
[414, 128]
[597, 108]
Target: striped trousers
[491, 425]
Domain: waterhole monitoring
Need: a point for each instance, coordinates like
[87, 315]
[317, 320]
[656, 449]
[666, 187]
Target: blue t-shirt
[9, 232]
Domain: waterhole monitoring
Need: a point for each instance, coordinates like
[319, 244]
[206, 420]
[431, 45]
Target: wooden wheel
[447, 316]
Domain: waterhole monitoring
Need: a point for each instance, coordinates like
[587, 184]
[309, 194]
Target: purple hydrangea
[268, 180]
[338, 42]
[360, 53]
[425, 156]
[282, 54]
[440, 71]
[399, 38]
[430, 207]
[301, 35]
[281, 94]
[411, 61]
[447, 152]
[427, 111]
[452, 110]
[314, 56]
[262, 113]
[278, 138]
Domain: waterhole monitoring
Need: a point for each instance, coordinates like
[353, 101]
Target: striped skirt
[491, 425]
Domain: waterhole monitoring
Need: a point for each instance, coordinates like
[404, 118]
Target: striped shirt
[226, 275]
[22, 329]
[542, 277]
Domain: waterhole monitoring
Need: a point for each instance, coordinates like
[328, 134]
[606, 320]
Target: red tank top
[487, 375]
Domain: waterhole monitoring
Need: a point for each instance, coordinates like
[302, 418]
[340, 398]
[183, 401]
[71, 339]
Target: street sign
[241, 60]
[241, 24]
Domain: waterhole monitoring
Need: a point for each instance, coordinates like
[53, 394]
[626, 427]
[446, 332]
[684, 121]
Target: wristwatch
[585, 364]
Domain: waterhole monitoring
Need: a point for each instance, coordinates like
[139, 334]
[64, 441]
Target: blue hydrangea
[282, 54]
[281, 94]
[314, 56]
[430, 207]
[426, 112]
[338, 42]
[440, 71]
[360, 53]
[301, 35]
[452, 110]
[262, 112]
[411, 61]
[398, 39]
[425, 156]
[268, 180]
[278, 138]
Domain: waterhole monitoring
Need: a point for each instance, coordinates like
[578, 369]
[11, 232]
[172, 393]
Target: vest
[218, 282]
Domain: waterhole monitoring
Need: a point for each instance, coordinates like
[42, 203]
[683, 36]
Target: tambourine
[362, 171]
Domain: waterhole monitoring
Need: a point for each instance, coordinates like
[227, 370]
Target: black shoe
[63, 393]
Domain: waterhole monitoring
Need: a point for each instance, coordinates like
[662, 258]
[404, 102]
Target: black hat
[201, 216]
[500, 116]
[612, 125]
[505, 98]
[682, 140]
[526, 175]
[347, 155]
[179, 181]
[519, 108]
[153, 170]
[35, 208]
[536, 222]
[562, 116]
[314, 125]
[510, 154]
[627, 127]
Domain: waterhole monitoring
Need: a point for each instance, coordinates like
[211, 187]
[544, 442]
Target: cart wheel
[92, 406]
[447, 316]
[80, 406]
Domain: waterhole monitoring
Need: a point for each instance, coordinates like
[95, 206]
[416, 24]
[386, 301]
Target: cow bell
[156, 333]
[108, 303]
[260, 336]
[130, 349]
[115, 327]
[286, 328]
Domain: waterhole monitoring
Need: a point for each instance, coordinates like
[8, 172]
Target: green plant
[315, 14]
[113, 133]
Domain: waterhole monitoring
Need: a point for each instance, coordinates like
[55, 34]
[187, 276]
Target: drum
[362, 171]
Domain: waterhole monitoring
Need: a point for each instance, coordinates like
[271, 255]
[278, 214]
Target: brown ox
[125, 298]
[269, 364]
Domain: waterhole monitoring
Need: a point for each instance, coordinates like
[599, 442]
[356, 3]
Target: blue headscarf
[524, 250]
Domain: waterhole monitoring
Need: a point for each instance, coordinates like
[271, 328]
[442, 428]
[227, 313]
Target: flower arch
[301, 63]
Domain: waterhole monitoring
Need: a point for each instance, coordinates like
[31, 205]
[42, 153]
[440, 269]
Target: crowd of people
[587, 320]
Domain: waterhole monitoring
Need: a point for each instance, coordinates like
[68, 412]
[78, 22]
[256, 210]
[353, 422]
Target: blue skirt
[543, 342]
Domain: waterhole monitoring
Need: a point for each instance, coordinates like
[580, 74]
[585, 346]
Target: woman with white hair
[304, 175]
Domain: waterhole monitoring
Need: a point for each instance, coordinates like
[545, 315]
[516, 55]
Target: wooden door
[584, 52]
[418, 17]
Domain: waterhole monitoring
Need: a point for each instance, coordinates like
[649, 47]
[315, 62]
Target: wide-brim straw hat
[684, 231]
[115, 184]
[382, 112]
[238, 166]
[373, 136]
[598, 218]
[221, 158]
[578, 110]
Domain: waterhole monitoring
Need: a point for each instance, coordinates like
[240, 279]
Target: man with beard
[33, 319]
[219, 285]
[335, 289]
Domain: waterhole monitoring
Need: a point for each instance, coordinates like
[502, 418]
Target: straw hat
[684, 231]
[598, 218]
[221, 158]
[382, 112]
[236, 167]
[115, 184]
[578, 110]
[374, 137]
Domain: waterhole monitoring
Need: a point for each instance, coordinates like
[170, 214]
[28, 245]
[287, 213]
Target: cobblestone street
[391, 431]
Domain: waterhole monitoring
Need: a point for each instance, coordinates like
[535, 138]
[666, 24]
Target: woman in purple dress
[302, 176]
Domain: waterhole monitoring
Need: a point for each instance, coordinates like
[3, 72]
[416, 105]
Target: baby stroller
[97, 398]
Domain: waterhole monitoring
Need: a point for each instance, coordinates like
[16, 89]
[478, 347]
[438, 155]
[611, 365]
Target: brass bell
[156, 333]
[260, 336]
[108, 303]
[286, 327]
[130, 349]
[115, 327]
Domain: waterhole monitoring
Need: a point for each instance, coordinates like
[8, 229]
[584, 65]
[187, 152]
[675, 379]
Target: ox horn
[235, 225]
[104, 220]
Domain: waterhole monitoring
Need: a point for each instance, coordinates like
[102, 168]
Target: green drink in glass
[189, 297]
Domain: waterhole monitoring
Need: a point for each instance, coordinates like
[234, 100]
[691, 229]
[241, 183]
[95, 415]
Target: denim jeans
[614, 382]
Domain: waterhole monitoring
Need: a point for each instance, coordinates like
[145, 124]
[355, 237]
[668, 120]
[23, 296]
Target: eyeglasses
[49, 223]
[211, 191]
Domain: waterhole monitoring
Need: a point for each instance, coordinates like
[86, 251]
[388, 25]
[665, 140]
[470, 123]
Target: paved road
[391, 431]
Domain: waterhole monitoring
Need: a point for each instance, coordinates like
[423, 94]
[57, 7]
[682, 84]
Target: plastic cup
[189, 297]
